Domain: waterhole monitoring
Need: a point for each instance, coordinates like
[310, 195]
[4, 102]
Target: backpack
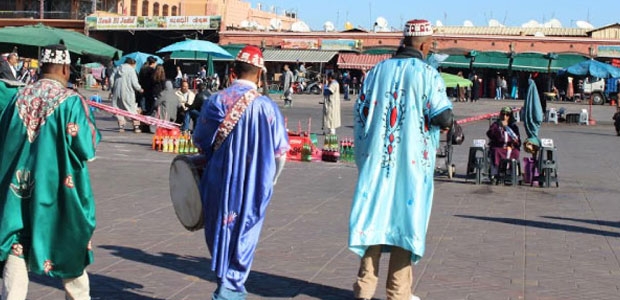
[456, 134]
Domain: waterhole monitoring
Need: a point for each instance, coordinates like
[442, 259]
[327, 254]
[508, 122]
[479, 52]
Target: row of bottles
[331, 151]
[174, 144]
[306, 152]
[331, 141]
[347, 150]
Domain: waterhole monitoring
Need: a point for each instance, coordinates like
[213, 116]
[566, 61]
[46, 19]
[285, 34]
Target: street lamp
[472, 56]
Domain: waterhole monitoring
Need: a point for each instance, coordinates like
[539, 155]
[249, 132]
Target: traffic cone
[613, 102]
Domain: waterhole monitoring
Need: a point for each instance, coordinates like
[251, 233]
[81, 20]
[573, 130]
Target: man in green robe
[47, 209]
[8, 89]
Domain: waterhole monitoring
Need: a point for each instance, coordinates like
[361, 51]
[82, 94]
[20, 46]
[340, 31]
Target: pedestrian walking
[125, 84]
[147, 81]
[287, 86]
[47, 135]
[331, 105]
[346, 80]
[243, 137]
[398, 117]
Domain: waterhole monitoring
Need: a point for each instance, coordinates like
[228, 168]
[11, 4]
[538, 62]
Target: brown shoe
[121, 130]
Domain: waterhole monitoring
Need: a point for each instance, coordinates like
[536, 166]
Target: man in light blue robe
[398, 118]
[238, 180]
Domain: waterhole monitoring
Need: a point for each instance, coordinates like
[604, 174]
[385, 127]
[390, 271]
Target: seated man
[504, 140]
[186, 98]
[193, 110]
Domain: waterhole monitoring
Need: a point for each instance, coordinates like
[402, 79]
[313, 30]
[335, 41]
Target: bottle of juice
[182, 144]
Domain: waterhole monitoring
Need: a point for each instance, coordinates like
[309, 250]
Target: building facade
[272, 27]
[234, 13]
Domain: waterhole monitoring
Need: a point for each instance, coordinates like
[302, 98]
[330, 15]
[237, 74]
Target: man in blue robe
[242, 169]
[398, 117]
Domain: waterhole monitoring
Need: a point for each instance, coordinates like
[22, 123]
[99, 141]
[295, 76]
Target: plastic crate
[572, 118]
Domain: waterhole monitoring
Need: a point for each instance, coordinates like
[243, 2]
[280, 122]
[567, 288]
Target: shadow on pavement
[595, 222]
[605, 134]
[101, 287]
[259, 283]
[544, 225]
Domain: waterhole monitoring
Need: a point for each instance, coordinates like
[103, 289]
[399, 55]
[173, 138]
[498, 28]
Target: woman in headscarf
[505, 140]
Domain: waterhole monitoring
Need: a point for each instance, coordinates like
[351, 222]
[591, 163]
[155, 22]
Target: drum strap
[233, 116]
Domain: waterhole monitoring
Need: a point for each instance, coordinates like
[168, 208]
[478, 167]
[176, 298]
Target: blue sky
[450, 12]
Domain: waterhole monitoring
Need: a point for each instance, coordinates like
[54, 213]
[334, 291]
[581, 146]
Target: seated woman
[505, 140]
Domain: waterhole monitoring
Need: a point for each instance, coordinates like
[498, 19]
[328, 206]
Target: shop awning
[566, 60]
[456, 61]
[233, 49]
[359, 61]
[308, 56]
[533, 62]
[491, 60]
[539, 62]
[377, 51]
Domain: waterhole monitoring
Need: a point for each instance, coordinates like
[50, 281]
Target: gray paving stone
[484, 242]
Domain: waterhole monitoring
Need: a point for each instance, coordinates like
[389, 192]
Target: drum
[185, 174]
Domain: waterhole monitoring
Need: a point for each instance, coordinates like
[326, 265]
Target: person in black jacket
[8, 68]
[145, 78]
[193, 111]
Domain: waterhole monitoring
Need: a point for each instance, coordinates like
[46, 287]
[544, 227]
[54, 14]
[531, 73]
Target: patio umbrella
[594, 68]
[452, 80]
[533, 114]
[139, 57]
[210, 67]
[40, 35]
[195, 49]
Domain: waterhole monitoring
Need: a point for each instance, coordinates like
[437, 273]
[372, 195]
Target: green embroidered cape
[47, 135]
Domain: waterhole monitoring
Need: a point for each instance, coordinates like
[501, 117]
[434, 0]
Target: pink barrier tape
[142, 118]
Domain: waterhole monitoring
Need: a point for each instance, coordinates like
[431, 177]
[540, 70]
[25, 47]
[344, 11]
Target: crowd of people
[156, 90]
[15, 69]
[242, 136]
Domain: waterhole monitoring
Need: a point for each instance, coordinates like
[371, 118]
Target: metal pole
[41, 9]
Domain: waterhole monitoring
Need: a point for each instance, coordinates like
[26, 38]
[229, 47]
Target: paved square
[484, 242]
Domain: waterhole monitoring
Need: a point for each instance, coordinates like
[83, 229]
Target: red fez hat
[251, 55]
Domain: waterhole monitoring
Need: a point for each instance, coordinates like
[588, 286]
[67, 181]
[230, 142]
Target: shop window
[145, 8]
[133, 9]
[156, 9]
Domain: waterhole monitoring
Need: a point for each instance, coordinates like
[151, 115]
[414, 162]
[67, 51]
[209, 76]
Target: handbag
[456, 134]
